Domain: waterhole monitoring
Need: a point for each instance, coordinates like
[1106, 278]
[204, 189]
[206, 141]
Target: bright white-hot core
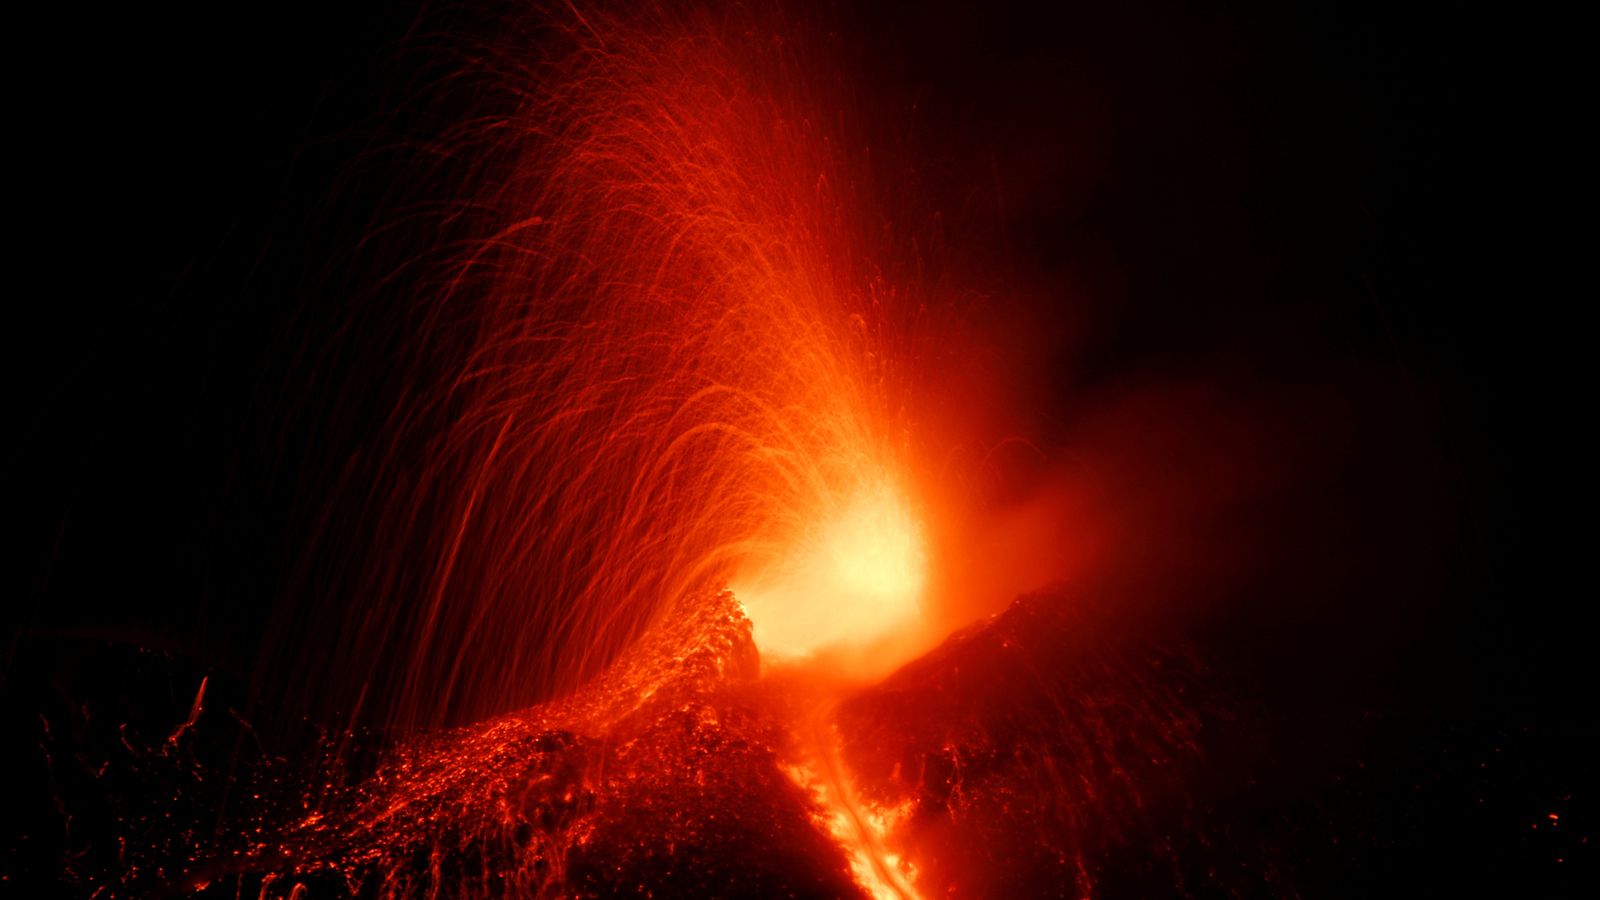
[852, 580]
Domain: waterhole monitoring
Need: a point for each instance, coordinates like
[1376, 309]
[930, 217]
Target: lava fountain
[680, 354]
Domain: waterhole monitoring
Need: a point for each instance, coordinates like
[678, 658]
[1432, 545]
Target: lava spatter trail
[679, 352]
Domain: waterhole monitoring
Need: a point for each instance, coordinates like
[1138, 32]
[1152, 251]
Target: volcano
[587, 448]
[1034, 752]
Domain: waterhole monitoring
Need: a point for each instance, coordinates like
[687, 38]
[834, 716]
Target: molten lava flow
[859, 829]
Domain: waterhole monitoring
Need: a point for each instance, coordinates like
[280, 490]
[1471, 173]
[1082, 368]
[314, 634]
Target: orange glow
[856, 576]
[689, 357]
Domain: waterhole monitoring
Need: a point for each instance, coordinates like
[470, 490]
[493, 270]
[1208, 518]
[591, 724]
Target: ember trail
[684, 349]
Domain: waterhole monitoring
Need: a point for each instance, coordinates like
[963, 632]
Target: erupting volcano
[687, 347]
[715, 476]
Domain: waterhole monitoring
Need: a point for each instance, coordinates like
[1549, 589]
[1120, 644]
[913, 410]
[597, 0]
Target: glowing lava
[855, 577]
